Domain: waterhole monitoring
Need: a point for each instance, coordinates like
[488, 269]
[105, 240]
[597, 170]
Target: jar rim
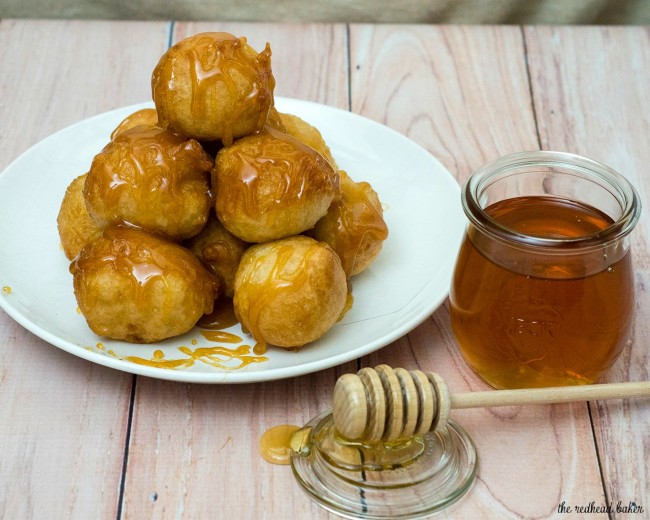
[624, 191]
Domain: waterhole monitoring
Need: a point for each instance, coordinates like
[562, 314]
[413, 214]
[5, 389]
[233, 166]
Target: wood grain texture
[52, 77]
[463, 93]
[64, 420]
[591, 96]
[194, 448]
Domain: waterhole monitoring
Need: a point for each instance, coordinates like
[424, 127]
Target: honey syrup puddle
[275, 444]
[216, 356]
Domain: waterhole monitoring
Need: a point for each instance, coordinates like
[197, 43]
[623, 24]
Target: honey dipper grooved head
[350, 406]
[386, 404]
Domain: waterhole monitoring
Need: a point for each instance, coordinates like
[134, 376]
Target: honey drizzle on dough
[355, 218]
[144, 260]
[144, 116]
[140, 167]
[297, 172]
[349, 300]
[213, 61]
[145, 155]
[281, 278]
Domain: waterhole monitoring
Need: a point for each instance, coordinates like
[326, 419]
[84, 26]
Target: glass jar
[543, 289]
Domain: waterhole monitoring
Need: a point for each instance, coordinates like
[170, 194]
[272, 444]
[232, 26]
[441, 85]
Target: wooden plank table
[82, 441]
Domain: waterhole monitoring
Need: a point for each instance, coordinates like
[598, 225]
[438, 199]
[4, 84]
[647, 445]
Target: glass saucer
[409, 479]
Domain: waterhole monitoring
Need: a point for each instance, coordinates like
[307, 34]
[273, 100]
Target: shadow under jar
[543, 289]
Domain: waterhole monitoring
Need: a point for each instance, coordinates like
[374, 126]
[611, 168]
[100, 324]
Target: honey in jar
[543, 290]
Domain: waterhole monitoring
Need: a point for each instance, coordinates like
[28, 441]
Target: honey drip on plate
[222, 316]
[275, 444]
[220, 336]
[217, 356]
[6, 289]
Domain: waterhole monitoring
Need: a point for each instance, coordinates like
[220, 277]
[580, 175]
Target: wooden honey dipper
[387, 404]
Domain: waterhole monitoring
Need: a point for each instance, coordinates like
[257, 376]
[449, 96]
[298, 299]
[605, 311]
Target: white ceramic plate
[408, 281]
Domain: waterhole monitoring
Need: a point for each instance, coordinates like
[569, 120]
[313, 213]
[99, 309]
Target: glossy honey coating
[270, 185]
[213, 86]
[308, 134]
[152, 178]
[274, 120]
[220, 251]
[354, 226]
[289, 292]
[145, 116]
[134, 286]
[76, 227]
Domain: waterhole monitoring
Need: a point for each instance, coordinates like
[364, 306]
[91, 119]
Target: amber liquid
[551, 324]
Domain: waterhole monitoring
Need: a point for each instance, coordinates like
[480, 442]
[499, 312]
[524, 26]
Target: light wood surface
[82, 441]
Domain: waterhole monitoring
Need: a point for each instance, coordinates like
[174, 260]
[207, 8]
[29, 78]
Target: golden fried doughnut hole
[308, 134]
[213, 86]
[289, 292]
[145, 116]
[152, 178]
[270, 185]
[134, 286]
[76, 227]
[354, 226]
[220, 251]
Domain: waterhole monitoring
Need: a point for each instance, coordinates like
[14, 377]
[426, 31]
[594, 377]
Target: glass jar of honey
[543, 289]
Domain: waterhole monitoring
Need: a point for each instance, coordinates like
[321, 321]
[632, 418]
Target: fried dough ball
[134, 286]
[213, 86]
[152, 178]
[76, 227]
[220, 252]
[354, 226]
[145, 116]
[270, 185]
[308, 134]
[289, 292]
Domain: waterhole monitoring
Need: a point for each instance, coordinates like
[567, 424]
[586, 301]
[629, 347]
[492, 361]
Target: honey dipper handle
[561, 394]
